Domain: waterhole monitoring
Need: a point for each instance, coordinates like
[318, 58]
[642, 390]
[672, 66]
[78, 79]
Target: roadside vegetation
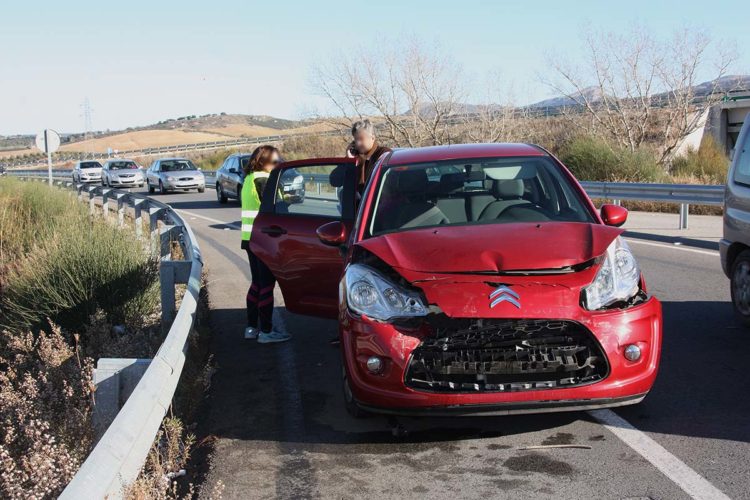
[73, 289]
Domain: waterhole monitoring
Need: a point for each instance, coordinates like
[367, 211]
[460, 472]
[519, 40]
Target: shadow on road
[702, 385]
[292, 392]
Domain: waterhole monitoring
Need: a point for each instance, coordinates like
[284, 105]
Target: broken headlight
[617, 280]
[368, 292]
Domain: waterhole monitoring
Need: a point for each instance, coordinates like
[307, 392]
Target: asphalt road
[281, 430]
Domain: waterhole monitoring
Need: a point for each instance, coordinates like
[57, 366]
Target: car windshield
[91, 164]
[468, 192]
[122, 165]
[176, 165]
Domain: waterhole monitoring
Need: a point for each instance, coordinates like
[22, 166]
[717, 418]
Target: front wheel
[220, 196]
[150, 188]
[162, 189]
[351, 404]
[740, 287]
[202, 190]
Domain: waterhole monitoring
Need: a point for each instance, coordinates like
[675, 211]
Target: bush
[45, 407]
[65, 266]
[593, 159]
[709, 164]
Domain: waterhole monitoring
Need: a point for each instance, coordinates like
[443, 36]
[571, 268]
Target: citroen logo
[504, 294]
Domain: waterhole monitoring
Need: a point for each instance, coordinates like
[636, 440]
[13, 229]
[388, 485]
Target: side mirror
[614, 215]
[333, 233]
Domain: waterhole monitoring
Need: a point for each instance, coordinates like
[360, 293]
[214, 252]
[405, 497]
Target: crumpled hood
[493, 247]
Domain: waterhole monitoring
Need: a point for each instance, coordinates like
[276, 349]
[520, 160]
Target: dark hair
[260, 158]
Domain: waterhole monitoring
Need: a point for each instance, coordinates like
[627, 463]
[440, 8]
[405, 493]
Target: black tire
[220, 196]
[202, 190]
[352, 408]
[162, 189]
[740, 287]
[239, 194]
[150, 188]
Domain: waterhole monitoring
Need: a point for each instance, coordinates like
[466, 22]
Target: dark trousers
[260, 295]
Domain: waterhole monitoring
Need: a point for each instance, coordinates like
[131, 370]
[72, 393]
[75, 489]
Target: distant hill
[173, 131]
[593, 94]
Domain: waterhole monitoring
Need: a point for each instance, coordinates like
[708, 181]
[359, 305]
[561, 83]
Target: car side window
[316, 190]
[742, 155]
[233, 165]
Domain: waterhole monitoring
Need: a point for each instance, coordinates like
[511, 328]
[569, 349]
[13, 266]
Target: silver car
[122, 173]
[174, 174]
[735, 245]
[87, 171]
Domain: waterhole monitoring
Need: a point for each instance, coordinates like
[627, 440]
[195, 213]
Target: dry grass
[143, 139]
[45, 407]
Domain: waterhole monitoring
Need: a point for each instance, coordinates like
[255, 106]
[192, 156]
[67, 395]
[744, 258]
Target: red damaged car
[472, 279]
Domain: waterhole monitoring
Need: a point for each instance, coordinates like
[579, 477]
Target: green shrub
[593, 159]
[708, 164]
[68, 266]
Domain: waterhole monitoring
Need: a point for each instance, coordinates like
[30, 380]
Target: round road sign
[48, 140]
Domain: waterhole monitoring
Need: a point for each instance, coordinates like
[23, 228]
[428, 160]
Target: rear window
[122, 165]
[468, 192]
[91, 164]
[176, 165]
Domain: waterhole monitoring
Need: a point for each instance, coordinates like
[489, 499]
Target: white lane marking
[683, 248]
[209, 219]
[672, 467]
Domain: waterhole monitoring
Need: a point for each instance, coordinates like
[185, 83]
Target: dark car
[735, 244]
[229, 179]
[477, 279]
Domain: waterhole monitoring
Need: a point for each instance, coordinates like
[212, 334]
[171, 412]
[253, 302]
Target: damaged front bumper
[503, 366]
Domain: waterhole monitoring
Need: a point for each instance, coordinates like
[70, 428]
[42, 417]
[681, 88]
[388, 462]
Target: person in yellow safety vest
[259, 298]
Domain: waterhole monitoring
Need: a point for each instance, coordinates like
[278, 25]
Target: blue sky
[140, 62]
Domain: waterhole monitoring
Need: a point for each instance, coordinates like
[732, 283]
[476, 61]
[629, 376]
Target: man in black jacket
[366, 149]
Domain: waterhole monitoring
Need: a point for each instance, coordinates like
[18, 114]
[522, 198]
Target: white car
[87, 171]
[122, 173]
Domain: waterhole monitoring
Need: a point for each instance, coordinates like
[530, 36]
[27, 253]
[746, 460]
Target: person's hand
[351, 151]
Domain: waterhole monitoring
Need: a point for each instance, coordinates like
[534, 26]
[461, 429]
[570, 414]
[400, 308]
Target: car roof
[172, 159]
[463, 151]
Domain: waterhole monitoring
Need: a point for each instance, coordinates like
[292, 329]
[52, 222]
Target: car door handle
[273, 230]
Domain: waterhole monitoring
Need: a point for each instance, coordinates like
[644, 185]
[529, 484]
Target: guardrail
[118, 457]
[684, 194]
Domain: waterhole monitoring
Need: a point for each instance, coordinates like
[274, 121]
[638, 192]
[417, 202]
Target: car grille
[506, 356]
[185, 178]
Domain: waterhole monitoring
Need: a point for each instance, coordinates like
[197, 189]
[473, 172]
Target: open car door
[300, 197]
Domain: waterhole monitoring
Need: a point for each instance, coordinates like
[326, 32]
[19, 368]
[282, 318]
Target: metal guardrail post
[684, 212]
[154, 213]
[105, 202]
[122, 199]
[92, 205]
[138, 204]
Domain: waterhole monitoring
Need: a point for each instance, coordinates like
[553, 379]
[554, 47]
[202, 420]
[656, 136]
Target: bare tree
[636, 88]
[495, 118]
[411, 90]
